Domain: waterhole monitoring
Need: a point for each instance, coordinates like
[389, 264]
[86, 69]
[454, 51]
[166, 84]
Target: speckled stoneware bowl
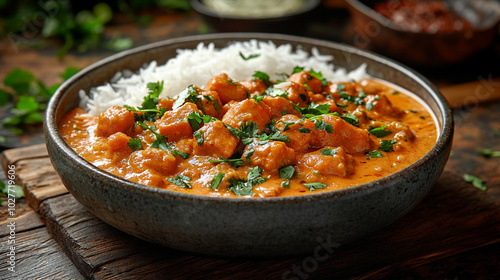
[249, 227]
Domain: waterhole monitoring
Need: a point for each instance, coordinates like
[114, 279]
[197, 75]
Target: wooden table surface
[452, 234]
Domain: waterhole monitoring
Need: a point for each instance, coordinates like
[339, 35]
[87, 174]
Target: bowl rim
[361, 7]
[51, 129]
[201, 8]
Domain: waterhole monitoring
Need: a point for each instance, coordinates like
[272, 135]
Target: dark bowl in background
[377, 33]
[292, 23]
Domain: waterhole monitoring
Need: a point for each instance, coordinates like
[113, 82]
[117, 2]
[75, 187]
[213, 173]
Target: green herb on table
[489, 153]
[476, 182]
[10, 191]
[26, 97]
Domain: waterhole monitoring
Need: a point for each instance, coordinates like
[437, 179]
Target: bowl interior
[67, 97]
[254, 227]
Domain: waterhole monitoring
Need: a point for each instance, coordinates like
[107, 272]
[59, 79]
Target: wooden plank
[37, 256]
[12, 156]
[485, 89]
[428, 233]
[34, 173]
[24, 222]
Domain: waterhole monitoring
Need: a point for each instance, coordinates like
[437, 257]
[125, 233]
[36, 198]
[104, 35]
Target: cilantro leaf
[135, 144]
[319, 76]
[216, 180]
[200, 137]
[189, 94]
[350, 119]
[315, 186]
[181, 181]
[358, 100]
[476, 182]
[386, 145]
[321, 125]
[328, 152]
[315, 109]
[304, 130]
[379, 131]
[489, 153]
[261, 75]
[240, 187]
[287, 172]
[236, 162]
[374, 154]
[250, 56]
[285, 184]
[15, 190]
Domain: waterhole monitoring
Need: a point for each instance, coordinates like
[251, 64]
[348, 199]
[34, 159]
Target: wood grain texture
[38, 257]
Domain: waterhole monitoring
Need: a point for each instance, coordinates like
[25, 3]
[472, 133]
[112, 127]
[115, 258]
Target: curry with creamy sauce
[258, 138]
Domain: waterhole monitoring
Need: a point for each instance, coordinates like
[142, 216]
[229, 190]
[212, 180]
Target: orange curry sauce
[258, 138]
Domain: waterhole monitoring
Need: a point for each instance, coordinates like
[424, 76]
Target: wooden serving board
[453, 218]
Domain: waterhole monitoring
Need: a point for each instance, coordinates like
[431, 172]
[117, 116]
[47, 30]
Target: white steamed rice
[197, 66]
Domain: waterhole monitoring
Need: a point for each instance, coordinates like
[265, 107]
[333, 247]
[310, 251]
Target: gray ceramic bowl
[246, 227]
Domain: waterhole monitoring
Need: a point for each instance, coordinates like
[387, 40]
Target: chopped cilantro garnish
[181, 181]
[477, 182]
[328, 152]
[285, 184]
[258, 98]
[195, 119]
[276, 136]
[287, 172]
[216, 180]
[321, 125]
[340, 87]
[261, 75]
[276, 92]
[135, 144]
[297, 69]
[236, 162]
[315, 109]
[11, 190]
[250, 56]
[304, 130]
[178, 153]
[200, 137]
[379, 131]
[386, 145]
[315, 186]
[358, 100]
[189, 94]
[351, 119]
[319, 76]
[241, 187]
[374, 154]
